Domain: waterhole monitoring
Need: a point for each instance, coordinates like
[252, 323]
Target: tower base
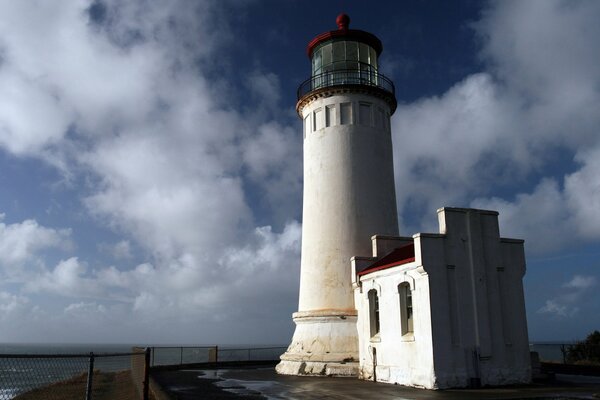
[325, 343]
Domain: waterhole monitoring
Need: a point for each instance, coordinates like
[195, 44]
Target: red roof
[399, 256]
[343, 21]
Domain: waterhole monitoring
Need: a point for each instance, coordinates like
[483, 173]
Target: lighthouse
[349, 193]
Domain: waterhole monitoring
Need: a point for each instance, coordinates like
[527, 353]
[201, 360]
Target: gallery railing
[346, 77]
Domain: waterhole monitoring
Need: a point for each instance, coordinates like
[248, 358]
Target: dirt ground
[107, 386]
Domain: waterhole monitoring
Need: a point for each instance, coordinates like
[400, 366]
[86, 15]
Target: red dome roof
[344, 33]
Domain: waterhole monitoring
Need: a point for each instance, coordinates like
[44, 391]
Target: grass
[107, 386]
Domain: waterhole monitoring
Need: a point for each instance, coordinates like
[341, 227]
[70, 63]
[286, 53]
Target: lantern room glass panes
[338, 49]
[351, 50]
[344, 55]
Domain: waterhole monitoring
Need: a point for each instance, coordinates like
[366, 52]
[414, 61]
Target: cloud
[133, 102]
[66, 279]
[529, 215]
[85, 309]
[491, 140]
[120, 250]
[573, 294]
[22, 244]
[11, 304]
[126, 99]
[580, 282]
[558, 309]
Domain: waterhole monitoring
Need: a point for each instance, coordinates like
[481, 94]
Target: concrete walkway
[264, 383]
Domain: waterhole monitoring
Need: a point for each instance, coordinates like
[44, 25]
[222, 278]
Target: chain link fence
[107, 376]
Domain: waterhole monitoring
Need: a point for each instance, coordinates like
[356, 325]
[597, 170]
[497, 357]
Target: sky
[151, 157]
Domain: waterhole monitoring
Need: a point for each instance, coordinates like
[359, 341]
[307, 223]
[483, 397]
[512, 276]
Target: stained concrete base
[317, 368]
[324, 344]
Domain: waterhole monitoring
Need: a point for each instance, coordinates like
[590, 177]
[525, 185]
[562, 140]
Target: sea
[24, 367]
[18, 375]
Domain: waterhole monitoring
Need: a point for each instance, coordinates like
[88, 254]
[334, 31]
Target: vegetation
[107, 386]
[586, 352]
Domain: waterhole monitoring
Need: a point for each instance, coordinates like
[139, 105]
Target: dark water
[549, 352]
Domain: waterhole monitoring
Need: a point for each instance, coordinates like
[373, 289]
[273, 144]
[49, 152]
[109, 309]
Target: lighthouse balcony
[369, 78]
[345, 81]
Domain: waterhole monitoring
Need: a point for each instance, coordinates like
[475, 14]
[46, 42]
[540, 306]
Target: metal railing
[177, 355]
[118, 376]
[108, 376]
[346, 77]
[567, 353]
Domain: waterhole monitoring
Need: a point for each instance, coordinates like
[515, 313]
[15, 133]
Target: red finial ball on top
[342, 21]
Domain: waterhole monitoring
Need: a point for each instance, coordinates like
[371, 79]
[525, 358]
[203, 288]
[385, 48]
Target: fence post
[146, 373]
[181, 356]
[216, 354]
[90, 378]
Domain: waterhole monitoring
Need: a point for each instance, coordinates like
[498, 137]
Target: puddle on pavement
[243, 387]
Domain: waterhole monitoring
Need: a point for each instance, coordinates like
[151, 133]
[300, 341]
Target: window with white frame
[373, 312]
[406, 308]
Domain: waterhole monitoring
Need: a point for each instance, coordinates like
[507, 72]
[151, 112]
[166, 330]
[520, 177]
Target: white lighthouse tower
[349, 193]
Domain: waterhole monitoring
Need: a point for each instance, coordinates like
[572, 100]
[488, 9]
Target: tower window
[378, 118]
[406, 308]
[306, 125]
[346, 113]
[364, 114]
[318, 119]
[373, 312]
[329, 115]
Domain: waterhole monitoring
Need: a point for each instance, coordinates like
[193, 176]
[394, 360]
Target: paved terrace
[263, 383]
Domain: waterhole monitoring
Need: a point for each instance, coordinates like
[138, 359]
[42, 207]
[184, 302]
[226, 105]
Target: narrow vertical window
[306, 125]
[373, 312]
[406, 308]
[317, 62]
[378, 118]
[346, 113]
[318, 119]
[329, 115]
[364, 114]
[339, 49]
[352, 51]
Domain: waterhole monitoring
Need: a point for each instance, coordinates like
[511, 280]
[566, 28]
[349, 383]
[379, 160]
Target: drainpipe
[374, 364]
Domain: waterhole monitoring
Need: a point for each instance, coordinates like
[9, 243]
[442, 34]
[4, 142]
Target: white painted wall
[348, 195]
[468, 304]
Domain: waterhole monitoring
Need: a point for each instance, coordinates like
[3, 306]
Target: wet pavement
[264, 383]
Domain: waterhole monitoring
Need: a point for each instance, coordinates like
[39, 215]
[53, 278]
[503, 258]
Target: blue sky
[151, 157]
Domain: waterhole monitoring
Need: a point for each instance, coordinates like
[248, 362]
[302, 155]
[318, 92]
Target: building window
[364, 114]
[318, 119]
[378, 118]
[346, 113]
[306, 125]
[329, 115]
[406, 308]
[374, 312]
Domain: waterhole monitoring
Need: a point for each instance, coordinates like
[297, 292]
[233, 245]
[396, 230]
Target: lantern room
[344, 50]
[346, 57]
